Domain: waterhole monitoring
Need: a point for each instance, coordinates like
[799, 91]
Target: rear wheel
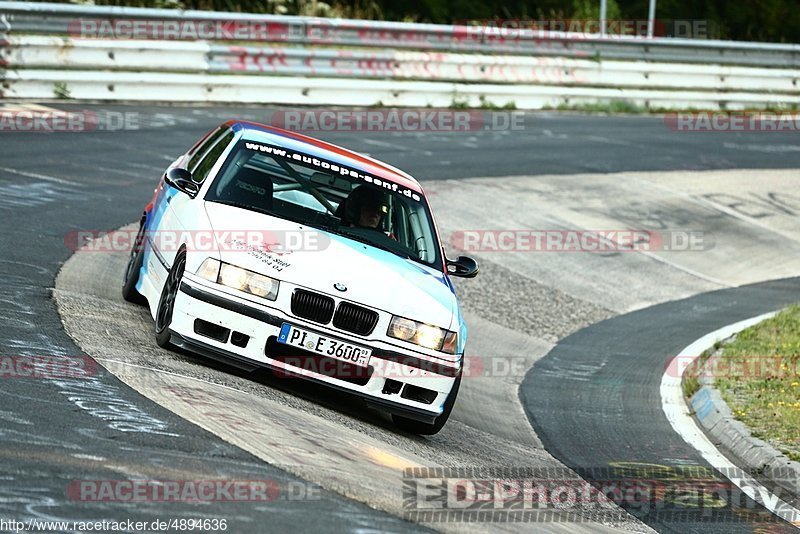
[166, 303]
[428, 429]
[135, 261]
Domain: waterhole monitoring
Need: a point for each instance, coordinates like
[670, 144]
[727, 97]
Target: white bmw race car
[267, 248]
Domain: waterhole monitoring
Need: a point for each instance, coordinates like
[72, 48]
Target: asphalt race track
[618, 409]
[572, 346]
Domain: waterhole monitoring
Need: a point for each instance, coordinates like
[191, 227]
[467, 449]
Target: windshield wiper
[243, 206]
[362, 239]
[265, 211]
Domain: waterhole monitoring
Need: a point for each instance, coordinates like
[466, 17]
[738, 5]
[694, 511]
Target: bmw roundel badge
[340, 286]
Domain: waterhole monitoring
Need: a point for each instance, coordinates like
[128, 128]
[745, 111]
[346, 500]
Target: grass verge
[691, 376]
[614, 106]
[758, 375]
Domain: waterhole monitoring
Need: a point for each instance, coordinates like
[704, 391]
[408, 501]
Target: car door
[184, 214]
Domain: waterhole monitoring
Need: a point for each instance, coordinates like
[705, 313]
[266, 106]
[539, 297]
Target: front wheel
[428, 429]
[166, 303]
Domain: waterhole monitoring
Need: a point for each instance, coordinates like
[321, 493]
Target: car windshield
[329, 196]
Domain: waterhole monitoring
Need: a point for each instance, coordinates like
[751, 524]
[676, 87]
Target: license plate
[327, 346]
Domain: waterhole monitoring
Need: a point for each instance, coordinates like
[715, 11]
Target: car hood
[319, 260]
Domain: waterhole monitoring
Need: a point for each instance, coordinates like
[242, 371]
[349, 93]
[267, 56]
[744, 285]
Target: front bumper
[214, 323]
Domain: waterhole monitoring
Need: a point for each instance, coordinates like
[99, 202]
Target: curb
[734, 437]
[728, 433]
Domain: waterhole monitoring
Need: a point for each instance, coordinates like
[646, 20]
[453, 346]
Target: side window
[207, 143]
[420, 234]
[202, 169]
[400, 226]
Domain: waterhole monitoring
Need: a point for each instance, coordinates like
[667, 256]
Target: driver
[365, 207]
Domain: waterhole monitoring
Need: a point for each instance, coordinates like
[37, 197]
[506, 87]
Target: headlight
[450, 345]
[232, 276]
[238, 278]
[402, 328]
[429, 336]
[209, 270]
[421, 334]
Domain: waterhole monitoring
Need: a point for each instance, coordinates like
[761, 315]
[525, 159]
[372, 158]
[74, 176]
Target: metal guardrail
[44, 52]
[301, 60]
[39, 84]
[64, 19]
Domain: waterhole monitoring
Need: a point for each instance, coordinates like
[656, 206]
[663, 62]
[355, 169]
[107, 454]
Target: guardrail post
[5, 49]
[603, 14]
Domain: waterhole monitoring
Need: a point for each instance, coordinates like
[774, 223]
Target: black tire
[135, 261]
[166, 303]
[428, 429]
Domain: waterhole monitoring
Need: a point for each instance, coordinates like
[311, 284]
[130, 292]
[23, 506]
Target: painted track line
[40, 176]
[171, 373]
[687, 270]
[677, 413]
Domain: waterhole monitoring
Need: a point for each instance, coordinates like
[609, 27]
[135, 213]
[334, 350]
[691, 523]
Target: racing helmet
[365, 197]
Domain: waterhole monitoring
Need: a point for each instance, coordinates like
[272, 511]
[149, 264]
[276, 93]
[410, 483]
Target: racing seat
[250, 187]
[349, 209]
[341, 213]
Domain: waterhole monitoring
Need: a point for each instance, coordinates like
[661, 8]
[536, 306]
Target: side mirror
[181, 179]
[464, 267]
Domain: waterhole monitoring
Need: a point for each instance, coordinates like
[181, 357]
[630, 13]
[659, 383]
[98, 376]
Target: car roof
[254, 131]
